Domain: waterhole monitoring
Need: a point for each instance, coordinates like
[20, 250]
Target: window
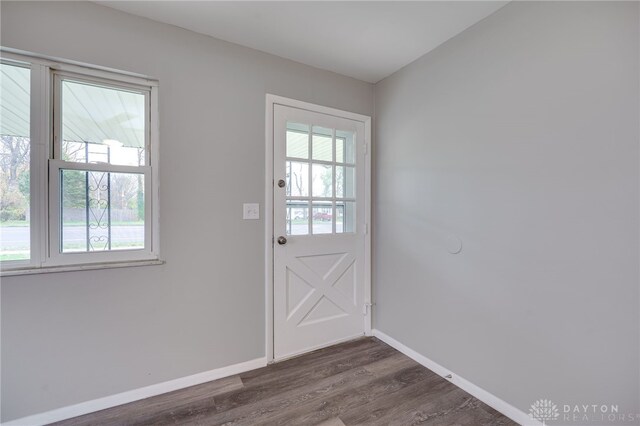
[320, 180]
[78, 165]
[15, 156]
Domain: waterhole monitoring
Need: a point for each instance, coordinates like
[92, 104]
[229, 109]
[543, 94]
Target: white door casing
[321, 279]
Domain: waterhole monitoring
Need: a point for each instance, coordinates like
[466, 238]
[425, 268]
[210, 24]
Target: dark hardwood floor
[363, 382]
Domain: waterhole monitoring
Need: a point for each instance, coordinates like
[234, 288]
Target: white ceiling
[367, 40]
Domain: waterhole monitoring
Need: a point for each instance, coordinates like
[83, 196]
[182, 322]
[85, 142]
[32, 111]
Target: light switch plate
[251, 211]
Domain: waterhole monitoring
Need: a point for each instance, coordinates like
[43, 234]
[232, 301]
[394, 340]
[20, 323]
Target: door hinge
[366, 307]
[273, 240]
[366, 149]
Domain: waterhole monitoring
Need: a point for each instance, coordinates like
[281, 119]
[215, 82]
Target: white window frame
[45, 167]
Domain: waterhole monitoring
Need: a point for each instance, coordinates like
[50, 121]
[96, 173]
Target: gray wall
[72, 337]
[519, 137]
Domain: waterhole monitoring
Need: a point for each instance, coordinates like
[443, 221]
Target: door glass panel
[322, 144]
[297, 217]
[340, 145]
[297, 179]
[345, 216]
[348, 142]
[297, 140]
[322, 180]
[322, 218]
[102, 211]
[15, 155]
[102, 124]
[345, 182]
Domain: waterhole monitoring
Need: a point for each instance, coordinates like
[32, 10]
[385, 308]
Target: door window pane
[345, 182]
[15, 155]
[340, 145]
[347, 141]
[102, 125]
[322, 180]
[345, 216]
[297, 140]
[102, 211]
[322, 218]
[297, 179]
[322, 144]
[297, 217]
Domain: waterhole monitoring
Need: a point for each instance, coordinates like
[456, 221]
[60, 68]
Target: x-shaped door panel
[321, 287]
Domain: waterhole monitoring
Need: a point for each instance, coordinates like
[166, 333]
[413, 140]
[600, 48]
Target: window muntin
[15, 162]
[320, 180]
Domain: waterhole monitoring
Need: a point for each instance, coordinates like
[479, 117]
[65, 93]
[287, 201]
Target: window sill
[85, 267]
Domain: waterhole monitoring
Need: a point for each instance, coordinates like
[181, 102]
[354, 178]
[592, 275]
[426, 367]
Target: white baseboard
[135, 394]
[491, 400]
[86, 407]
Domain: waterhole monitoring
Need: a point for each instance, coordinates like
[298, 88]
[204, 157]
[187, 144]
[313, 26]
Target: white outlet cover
[251, 211]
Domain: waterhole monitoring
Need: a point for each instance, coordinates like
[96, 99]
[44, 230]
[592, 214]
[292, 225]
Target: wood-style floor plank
[334, 358]
[362, 382]
[355, 396]
[264, 410]
[144, 411]
[311, 374]
[332, 422]
[407, 399]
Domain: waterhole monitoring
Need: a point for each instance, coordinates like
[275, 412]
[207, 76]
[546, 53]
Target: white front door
[319, 230]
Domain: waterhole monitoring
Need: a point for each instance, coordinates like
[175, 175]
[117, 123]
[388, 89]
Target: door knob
[282, 240]
[281, 183]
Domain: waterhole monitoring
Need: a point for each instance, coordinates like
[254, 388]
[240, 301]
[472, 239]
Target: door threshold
[318, 347]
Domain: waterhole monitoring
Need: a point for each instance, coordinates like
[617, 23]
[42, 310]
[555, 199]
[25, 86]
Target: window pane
[322, 180]
[297, 140]
[297, 217]
[101, 124]
[322, 218]
[74, 211]
[345, 216]
[297, 179]
[322, 144]
[102, 211]
[15, 154]
[349, 146]
[345, 182]
[340, 145]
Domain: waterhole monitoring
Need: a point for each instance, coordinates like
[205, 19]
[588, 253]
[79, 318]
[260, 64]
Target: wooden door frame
[271, 101]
